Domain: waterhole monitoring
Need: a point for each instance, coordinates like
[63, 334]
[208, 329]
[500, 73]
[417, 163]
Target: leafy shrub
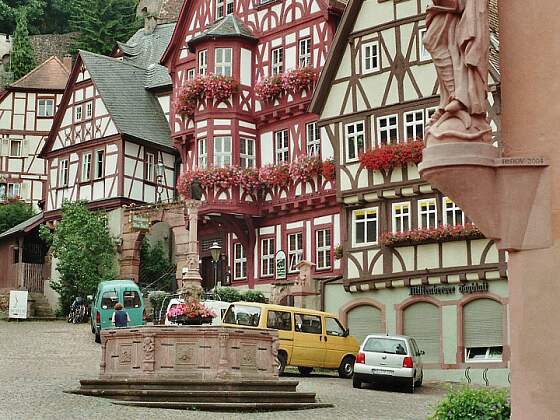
[157, 299]
[228, 294]
[253, 296]
[467, 402]
[156, 268]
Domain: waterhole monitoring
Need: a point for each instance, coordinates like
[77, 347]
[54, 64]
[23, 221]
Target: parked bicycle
[77, 311]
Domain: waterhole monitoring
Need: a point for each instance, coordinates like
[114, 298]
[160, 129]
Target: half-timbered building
[413, 264]
[251, 42]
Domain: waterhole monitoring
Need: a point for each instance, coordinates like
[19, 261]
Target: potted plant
[191, 313]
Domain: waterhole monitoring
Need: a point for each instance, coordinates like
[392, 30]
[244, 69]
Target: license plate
[381, 372]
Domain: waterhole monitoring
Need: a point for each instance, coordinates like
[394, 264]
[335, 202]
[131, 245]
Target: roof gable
[50, 75]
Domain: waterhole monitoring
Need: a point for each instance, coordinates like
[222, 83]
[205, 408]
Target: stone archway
[173, 214]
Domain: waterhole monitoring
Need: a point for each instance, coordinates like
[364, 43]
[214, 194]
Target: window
[15, 148]
[310, 324]
[323, 249]
[79, 113]
[277, 61]
[385, 345]
[223, 61]
[370, 57]
[86, 167]
[401, 217]
[222, 151]
[424, 53]
[190, 74]
[305, 52]
[202, 154]
[45, 107]
[203, 62]
[267, 257]
[223, 8]
[89, 109]
[387, 129]
[295, 251]
[99, 164]
[334, 327]
[239, 262]
[452, 213]
[354, 141]
[313, 139]
[63, 174]
[243, 315]
[483, 354]
[365, 226]
[131, 299]
[279, 320]
[427, 213]
[430, 112]
[109, 300]
[414, 124]
[247, 153]
[150, 167]
[282, 146]
[14, 190]
[483, 330]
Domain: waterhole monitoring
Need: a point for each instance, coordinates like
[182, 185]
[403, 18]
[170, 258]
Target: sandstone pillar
[191, 284]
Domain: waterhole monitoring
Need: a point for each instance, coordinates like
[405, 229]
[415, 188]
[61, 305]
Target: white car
[217, 306]
[389, 359]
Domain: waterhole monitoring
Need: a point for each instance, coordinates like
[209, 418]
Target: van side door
[337, 346]
[283, 322]
[309, 347]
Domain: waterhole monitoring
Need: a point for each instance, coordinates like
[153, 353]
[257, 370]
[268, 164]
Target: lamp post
[160, 168]
[215, 251]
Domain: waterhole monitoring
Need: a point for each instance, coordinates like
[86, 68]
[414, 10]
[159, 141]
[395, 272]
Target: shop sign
[449, 290]
[281, 265]
[140, 222]
[18, 304]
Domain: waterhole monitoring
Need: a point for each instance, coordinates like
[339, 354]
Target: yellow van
[308, 339]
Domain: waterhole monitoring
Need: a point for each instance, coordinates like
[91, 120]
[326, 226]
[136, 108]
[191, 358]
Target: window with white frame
[282, 141]
[63, 173]
[313, 139]
[429, 112]
[202, 154]
[79, 113]
[15, 148]
[267, 257]
[223, 8]
[365, 226]
[203, 62]
[191, 74]
[401, 217]
[222, 151]
[150, 167]
[45, 107]
[222, 63]
[414, 124]
[14, 190]
[89, 109]
[247, 157]
[305, 52]
[323, 249]
[86, 167]
[99, 164]
[452, 213]
[277, 61]
[427, 213]
[239, 262]
[295, 251]
[387, 129]
[424, 53]
[370, 57]
[355, 140]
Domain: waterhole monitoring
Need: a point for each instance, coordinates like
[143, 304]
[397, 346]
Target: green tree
[156, 269]
[101, 23]
[85, 251]
[22, 57]
[10, 9]
[13, 214]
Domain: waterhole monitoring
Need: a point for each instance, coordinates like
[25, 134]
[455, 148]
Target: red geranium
[439, 234]
[392, 155]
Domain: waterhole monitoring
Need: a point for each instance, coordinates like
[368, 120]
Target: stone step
[200, 396]
[233, 407]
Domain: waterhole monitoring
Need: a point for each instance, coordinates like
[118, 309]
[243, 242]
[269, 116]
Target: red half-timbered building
[253, 43]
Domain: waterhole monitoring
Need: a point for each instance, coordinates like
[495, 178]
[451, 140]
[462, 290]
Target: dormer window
[223, 8]
[223, 61]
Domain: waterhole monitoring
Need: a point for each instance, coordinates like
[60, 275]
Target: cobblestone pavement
[38, 360]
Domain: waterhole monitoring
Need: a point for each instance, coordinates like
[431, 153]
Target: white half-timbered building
[380, 87]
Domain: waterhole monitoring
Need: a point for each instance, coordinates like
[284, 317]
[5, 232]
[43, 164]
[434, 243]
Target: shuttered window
[422, 321]
[364, 320]
[482, 323]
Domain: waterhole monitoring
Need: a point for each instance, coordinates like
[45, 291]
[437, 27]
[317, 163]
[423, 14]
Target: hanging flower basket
[212, 86]
[439, 234]
[392, 155]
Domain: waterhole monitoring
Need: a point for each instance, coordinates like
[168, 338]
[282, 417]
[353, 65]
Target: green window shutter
[482, 323]
[364, 320]
[422, 321]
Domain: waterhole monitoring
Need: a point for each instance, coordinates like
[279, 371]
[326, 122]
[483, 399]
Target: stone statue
[457, 39]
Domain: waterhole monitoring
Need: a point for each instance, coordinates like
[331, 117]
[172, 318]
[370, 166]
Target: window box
[214, 86]
[390, 156]
[425, 236]
[293, 81]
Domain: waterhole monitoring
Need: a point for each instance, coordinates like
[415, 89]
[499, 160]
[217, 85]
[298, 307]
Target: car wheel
[356, 382]
[305, 370]
[409, 387]
[419, 381]
[98, 337]
[346, 368]
[282, 359]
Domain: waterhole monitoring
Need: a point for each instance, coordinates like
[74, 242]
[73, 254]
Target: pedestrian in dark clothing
[120, 318]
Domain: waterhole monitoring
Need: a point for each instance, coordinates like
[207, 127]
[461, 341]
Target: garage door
[364, 320]
[422, 321]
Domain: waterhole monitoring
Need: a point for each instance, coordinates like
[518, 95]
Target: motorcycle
[77, 311]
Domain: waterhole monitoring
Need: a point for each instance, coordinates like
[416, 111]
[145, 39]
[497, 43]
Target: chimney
[67, 61]
[149, 10]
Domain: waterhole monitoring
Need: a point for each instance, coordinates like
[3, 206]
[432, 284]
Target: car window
[131, 299]
[243, 315]
[334, 327]
[109, 299]
[415, 347]
[279, 320]
[308, 324]
[385, 345]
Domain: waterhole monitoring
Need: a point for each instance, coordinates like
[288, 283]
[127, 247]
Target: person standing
[120, 318]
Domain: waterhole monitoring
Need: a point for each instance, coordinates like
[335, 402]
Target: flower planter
[390, 156]
[181, 320]
[427, 236]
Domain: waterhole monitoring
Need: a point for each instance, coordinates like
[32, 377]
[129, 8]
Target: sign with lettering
[140, 222]
[448, 289]
[18, 304]
[523, 161]
[281, 273]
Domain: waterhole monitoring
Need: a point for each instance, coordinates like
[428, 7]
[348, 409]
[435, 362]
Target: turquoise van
[108, 294]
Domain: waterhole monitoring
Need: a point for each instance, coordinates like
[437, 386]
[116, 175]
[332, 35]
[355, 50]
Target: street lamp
[215, 251]
[160, 168]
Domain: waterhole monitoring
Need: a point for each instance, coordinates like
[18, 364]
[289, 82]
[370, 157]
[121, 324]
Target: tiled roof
[135, 111]
[144, 49]
[157, 76]
[229, 26]
[51, 75]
